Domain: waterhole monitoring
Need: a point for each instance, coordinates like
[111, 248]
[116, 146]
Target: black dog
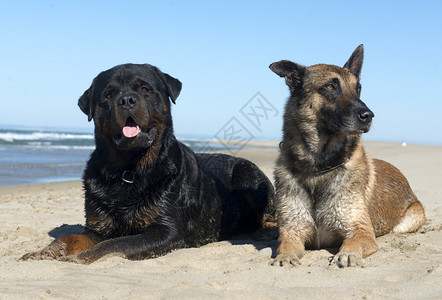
[146, 193]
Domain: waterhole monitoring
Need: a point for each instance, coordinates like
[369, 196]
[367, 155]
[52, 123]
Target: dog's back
[247, 194]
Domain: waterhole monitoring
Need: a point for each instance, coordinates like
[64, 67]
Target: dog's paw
[286, 260]
[35, 256]
[347, 259]
[55, 250]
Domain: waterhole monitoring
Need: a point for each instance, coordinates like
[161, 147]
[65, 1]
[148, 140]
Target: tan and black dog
[329, 192]
[145, 192]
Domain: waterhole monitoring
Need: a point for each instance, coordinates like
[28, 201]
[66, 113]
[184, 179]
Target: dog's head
[130, 106]
[327, 95]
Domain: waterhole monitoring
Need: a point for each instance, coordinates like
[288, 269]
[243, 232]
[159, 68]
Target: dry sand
[407, 266]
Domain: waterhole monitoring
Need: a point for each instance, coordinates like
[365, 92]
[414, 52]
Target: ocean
[30, 156]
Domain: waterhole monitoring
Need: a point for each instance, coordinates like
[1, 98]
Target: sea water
[37, 156]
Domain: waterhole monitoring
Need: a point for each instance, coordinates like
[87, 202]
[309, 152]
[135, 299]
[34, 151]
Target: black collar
[329, 169]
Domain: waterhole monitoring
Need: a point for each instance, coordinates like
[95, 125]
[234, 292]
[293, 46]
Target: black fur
[177, 198]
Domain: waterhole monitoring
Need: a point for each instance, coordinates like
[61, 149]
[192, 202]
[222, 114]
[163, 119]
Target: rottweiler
[146, 193]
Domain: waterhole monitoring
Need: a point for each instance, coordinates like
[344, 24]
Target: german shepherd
[329, 192]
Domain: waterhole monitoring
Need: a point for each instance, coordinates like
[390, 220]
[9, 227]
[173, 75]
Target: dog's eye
[330, 87]
[108, 96]
[144, 89]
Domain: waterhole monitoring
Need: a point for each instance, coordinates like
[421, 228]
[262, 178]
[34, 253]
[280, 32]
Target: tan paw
[286, 260]
[347, 259]
[55, 250]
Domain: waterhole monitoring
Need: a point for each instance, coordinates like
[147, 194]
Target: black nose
[366, 115]
[127, 101]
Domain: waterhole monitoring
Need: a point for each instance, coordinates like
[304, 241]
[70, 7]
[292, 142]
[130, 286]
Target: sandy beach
[407, 266]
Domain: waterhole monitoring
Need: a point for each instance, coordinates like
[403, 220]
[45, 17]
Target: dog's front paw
[286, 260]
[35, 256]
[55, 250]
[347, 259]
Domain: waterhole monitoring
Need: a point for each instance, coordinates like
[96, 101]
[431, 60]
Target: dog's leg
[64, 246]
[290, 249]
[294, 217]
[292, 241]
[413, 219]
[355, 248]
[156, 241]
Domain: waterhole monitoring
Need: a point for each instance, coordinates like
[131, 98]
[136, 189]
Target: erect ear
[86, 103]
[354, 63]
[173, 86]
[292, 72]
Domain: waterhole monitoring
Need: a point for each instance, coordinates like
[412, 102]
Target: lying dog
[146, 193]
[329, 192]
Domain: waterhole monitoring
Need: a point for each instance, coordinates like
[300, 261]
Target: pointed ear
[354, 63]
[86, 103]
[292, 72]
[173, 87]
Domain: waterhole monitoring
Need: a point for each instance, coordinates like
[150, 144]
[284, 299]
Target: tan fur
[376, 199]
[63, 247]
[329, 192]
[77, 243]
[146, 219]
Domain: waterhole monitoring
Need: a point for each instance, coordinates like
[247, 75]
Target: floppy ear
[173, 86]
[292, 72]
[85, 103]
[354, 63]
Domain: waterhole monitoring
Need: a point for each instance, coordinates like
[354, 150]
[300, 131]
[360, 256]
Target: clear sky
[220, 50]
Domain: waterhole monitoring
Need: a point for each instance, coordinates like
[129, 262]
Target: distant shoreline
[254, 151]
[184, 136]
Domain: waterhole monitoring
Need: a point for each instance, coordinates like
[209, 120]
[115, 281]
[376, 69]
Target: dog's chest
[120, 212]
[329, 210]
[324, 193]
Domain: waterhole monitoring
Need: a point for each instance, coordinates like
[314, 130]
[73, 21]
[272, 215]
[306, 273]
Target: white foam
[35, 136]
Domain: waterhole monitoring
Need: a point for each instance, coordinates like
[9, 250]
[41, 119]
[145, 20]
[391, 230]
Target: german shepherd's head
[327, 96]
[324, 116]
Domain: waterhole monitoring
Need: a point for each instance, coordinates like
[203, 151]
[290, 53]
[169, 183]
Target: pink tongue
[131, 131]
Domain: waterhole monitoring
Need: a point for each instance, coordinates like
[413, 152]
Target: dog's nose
[366, 115]
[127, 101]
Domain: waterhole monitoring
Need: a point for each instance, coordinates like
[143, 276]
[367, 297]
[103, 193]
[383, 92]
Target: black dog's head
[130, 106]
[327, 95]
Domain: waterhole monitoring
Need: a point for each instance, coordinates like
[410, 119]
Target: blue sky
[221, 50]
